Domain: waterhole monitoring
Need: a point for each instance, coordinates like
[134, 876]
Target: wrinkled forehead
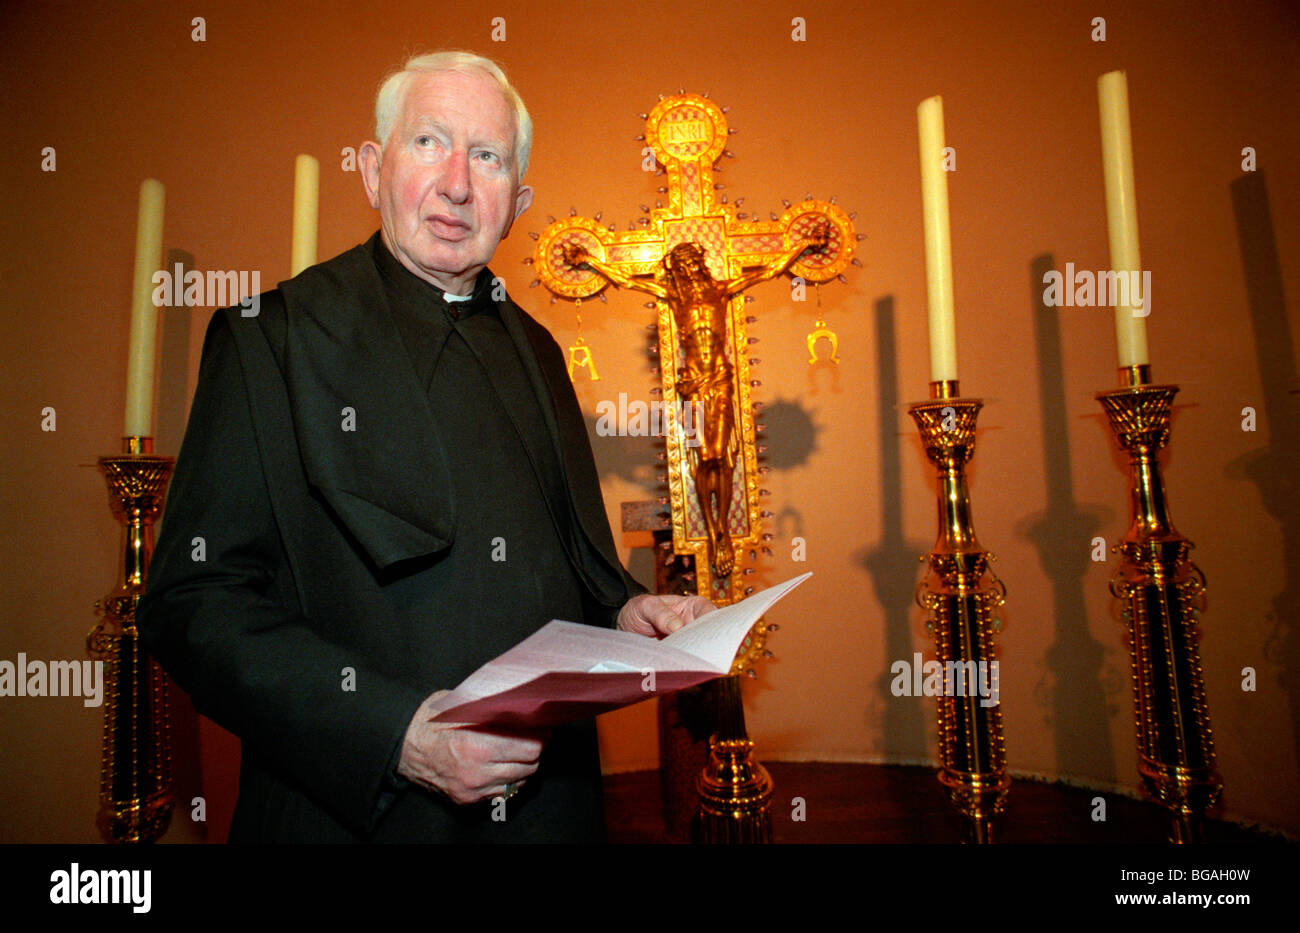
[469, 99]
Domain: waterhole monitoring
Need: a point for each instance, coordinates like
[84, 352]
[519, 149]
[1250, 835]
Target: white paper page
[717, 642]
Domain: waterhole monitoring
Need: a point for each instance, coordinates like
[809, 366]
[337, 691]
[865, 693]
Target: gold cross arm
[732, 246]
[687, 133]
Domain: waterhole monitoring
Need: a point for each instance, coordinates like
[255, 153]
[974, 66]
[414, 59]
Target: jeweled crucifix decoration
[697, 256]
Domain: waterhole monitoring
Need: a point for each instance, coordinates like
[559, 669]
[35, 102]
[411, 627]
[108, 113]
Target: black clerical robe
[378, 491]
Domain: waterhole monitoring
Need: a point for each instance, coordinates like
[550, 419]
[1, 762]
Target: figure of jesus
[699, 305]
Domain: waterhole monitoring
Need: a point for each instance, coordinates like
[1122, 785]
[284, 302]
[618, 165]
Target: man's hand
[656, 616]
[575, 254]
[820, 237]
[465, 764]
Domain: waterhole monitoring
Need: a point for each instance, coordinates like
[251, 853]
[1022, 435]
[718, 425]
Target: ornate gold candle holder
[1163, 593]
[735, 791]
[135, 790]
[962, 594]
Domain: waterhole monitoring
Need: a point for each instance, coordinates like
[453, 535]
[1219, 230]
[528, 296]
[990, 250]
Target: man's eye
[486, 156]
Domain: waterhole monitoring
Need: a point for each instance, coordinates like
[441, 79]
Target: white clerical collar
[450, 297]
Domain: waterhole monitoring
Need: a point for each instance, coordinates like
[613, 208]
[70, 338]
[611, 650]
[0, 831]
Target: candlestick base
[735, 791]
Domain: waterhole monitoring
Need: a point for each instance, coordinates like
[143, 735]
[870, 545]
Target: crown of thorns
[680, 252]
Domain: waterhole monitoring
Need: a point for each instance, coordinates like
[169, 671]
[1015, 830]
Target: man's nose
[454, 182]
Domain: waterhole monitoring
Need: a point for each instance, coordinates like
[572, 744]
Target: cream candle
[142, 352]
[938, 247]
[306, 212]
[1121, 216]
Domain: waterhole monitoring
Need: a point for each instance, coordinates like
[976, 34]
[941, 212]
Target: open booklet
[565, 671]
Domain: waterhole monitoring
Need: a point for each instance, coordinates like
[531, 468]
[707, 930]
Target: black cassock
[379, 490]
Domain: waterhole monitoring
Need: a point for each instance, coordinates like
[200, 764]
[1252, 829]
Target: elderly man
[392, 483]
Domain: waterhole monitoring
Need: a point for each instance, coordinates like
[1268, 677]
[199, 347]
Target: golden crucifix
[696, 256]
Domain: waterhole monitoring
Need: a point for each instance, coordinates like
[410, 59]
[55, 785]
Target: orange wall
[122, 93]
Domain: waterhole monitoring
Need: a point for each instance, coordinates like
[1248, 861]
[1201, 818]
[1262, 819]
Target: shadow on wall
[892, 563]
[1273, 467]
[1076, 700]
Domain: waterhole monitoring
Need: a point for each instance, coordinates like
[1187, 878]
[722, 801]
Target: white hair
[392, 95]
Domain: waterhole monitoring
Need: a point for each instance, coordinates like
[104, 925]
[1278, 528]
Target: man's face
[446, 183]
[688, 263]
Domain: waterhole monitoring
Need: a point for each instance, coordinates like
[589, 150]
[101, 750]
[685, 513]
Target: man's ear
[523, 199]
[370, 156]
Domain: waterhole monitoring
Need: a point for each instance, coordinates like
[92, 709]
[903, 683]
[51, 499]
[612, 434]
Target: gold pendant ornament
[580, 353]
[580, 357]
[821, 331]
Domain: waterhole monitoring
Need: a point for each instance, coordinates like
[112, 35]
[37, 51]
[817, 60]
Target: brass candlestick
[135, 791]
[962, 594]
[735, 791]
[1162, 592]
